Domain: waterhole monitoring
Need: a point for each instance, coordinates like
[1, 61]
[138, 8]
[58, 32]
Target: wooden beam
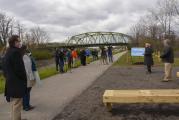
[141, 96]
[178, 74]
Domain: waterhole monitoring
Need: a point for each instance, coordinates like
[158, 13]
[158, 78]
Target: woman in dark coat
[83, 57]
[148, 59]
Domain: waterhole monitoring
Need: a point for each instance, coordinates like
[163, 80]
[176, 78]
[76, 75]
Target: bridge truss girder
[99, 38]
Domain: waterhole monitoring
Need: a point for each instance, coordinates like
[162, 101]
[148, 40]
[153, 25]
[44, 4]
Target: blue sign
[137, 51]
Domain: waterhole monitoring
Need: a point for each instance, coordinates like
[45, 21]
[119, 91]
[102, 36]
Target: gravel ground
[89, 106]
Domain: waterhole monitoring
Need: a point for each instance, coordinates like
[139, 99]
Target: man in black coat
[15, 75]
[168, 59]
[148, 59]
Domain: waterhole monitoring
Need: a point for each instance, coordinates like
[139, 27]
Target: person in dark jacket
[96, 54]
[69, 59]
[148, 59]
[61, 60]
[104, 56]
[57, 58]
[110, 54]
[15, 75]
[83, 57]
[168, 59]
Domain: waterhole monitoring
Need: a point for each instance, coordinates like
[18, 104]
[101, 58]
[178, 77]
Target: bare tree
[5, 28]
[177, 13]
[39, 36]
[28, 38]
[159, 23]
[147, 30]
[20, 30]
[8, 27]
[139, 31]
[165, 14]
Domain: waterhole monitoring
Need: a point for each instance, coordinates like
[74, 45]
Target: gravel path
[89, 106]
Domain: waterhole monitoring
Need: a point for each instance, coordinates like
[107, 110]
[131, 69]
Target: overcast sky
[65, 18]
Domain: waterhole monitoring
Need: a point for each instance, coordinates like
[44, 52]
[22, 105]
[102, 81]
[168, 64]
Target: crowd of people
[70, 57]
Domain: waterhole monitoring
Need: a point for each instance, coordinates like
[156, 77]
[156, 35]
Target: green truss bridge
[94, 39]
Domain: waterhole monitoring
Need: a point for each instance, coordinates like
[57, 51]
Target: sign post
[137, 52]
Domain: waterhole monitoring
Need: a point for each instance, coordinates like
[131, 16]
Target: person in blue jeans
[26, 100]
[110, 55]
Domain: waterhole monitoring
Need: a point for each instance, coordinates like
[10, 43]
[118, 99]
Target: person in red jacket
[74, 56]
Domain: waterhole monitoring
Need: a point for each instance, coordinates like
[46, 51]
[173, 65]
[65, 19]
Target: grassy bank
[2, 83]
[127, 60]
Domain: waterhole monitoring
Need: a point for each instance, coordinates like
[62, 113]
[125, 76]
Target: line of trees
[160, 22]
[32, 36]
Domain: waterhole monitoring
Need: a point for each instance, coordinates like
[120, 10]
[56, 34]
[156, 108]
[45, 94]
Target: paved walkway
[57, 91]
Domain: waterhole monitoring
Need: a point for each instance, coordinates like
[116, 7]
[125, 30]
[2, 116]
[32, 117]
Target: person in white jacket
[30, 78]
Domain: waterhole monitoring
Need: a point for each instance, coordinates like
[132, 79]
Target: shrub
[42, 54]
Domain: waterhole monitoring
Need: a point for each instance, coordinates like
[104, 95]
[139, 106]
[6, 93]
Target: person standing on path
[69, 59]
[104, 56]
[57, 58]
[30, 78]
[83, 57]
[168, 59]
[74, 56]
[148, 59]
[15, 75]
[87, 54]
[110, 55]
[61, 60]
[38, 82]
[96, 54]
